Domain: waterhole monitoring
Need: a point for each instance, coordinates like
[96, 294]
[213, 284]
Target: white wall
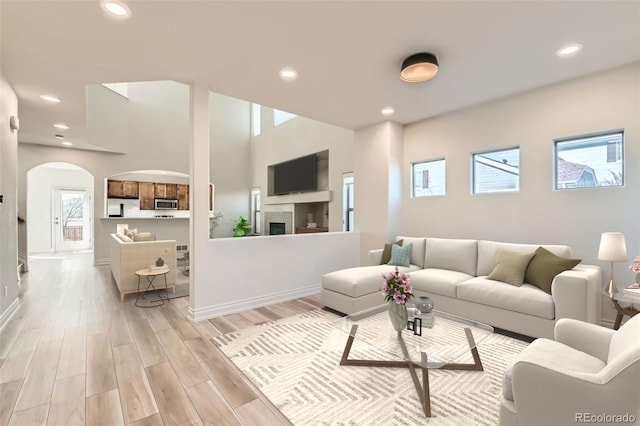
[42, 181]
[298, 137]
[536, 214]
[230, 159]
[8, 208]
[245, 273]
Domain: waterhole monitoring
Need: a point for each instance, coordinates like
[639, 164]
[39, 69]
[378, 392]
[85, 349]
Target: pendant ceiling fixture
[419, 67]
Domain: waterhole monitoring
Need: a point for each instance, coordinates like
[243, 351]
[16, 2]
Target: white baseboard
[102, 261]
[9, 312]
[215, 311]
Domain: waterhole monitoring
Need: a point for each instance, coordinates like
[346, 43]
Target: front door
[71, 220]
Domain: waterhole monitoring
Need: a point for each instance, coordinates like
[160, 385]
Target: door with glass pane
[71, 220]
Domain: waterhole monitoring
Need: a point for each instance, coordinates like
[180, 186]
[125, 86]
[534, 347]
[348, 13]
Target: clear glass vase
[398, 315]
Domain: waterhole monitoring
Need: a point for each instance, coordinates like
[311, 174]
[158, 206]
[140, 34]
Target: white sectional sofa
[128, 257]
[453, 273]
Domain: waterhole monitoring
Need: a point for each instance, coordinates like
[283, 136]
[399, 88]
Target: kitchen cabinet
[146, 191]
[166, 190]
[183, 197]
[122, 189]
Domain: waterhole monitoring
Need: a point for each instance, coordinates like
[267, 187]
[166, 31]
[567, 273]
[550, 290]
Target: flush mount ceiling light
[288, 74]
[387, 111]
[50, 98]
[569, 50]
[419, 67]
[116, 8]
[61, 126]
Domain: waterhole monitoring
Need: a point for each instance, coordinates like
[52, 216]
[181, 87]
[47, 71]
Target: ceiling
[347, 53]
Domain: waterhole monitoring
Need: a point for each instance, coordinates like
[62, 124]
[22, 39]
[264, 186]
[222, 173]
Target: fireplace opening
[276, 228]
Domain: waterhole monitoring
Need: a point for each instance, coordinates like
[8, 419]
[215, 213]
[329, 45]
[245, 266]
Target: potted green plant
[243, 227]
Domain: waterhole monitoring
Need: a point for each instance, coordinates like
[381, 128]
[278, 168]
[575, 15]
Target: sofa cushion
[130, 232]
[401, 256]
[487, 253]
[438, 281]
[360, 281]
[510, 266]
[386, 252]
[545, 266]
[144, 236]
[452, 254]
[554, 355]
[526, 299]
[124, 238]
[417, 252]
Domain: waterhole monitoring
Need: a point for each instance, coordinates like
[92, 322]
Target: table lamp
[612, 249]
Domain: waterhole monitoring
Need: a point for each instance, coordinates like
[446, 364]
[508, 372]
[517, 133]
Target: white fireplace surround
[279, 217]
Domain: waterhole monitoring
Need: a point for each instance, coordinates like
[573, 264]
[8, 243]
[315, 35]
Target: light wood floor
[74, 355]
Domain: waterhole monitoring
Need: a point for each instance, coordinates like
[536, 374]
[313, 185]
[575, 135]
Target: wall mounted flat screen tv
[297, 175]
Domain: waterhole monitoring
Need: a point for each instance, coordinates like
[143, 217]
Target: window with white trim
[589, 161]
[255, 120]
[255, 209]
[347, 202]
[428, 178]
[496, 171]
[280, 117]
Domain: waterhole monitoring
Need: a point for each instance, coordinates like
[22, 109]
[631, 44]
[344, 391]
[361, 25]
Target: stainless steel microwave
[162, 204]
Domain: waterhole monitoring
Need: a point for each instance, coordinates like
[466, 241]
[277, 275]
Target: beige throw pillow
[510, 266]
[131, 232]
[386, 252]
[144, 236]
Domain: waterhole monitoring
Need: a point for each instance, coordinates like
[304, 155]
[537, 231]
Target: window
[347, 202]
[589, 161]
[255, 120]
[280, 117]
[255, 209]
[428, 178]
[496, 171]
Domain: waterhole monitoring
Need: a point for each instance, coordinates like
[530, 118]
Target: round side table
[150, 275]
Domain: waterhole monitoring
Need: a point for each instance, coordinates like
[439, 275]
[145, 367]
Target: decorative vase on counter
[398, 315]
[424, 304]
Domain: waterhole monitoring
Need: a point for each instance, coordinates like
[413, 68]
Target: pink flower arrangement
[397, 287]
[635, 266]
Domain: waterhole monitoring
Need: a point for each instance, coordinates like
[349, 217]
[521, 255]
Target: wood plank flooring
[75, 355]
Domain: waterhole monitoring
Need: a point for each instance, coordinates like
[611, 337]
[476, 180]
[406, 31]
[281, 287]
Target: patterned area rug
[295, 363]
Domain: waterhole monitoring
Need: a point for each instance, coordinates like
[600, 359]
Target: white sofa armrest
[545, 396]
[576, 293]
[374, 257]
[583, 336]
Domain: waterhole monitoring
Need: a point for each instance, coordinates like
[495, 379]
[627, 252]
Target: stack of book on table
[632, 291]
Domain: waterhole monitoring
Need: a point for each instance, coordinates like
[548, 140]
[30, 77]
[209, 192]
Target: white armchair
[589, 374]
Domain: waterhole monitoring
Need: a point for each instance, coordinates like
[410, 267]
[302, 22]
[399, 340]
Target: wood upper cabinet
[146, 191]
[183, 197]
[122, 189]
[167, 190]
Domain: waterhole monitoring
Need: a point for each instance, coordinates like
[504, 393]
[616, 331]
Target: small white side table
[150, 275]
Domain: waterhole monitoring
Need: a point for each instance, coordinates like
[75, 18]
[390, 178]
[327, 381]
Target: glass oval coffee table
[444, 339]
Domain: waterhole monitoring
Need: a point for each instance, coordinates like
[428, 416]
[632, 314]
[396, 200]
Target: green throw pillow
[545, 266]
[386, 252]
[400, 256]
[510, 266]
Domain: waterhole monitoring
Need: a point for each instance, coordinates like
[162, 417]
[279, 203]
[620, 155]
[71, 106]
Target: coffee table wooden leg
[425, 386]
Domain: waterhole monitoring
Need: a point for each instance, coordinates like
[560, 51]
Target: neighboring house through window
[428, 178]
[347, 202]
[496, 171]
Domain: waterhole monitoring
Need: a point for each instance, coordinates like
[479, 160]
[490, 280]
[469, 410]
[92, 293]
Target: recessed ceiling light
[569, 50]
[67, 143]
[50, 98]
[116, 8]
[387, 111]
[288, 74]
[61, 126]
[59, 137]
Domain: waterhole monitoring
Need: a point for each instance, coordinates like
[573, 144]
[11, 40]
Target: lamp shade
[419, 67]
[612, 247]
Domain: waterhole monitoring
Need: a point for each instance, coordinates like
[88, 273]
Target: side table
[622, 311]
[150, 275]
